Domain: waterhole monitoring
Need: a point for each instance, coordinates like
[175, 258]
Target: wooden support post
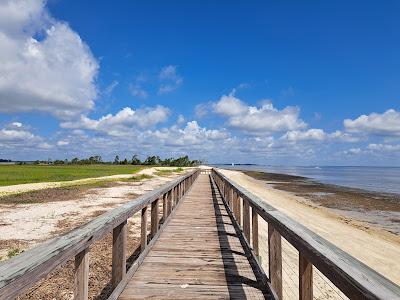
[81, 291]
[275, 260]
[305, 278]
[154, 217]
[169, 202]
[240, 206]
[254, 227]
[230, 197]
[143, 236]
[164, 206]
[119, 253]
[246, 220]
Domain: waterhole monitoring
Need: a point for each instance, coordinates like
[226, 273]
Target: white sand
[373, 246]
[37, 222]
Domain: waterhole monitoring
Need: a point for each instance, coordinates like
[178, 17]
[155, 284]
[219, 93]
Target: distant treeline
[154, 160]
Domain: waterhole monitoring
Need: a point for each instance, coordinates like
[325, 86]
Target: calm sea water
[379, 179]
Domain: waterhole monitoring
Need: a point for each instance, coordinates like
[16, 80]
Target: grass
[17, 174]
[13, 252]
[164, 172]
[139, 177]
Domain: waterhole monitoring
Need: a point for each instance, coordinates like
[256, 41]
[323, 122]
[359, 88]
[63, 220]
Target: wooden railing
[352, 277]
[23, 271]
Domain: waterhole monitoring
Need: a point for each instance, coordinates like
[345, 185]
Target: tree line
[154, 160]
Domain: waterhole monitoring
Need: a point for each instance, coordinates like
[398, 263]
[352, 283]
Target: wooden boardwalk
[199, 255]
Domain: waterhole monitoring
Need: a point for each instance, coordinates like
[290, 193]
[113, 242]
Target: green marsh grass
[17, 174]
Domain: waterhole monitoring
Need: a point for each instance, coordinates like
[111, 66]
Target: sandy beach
[373, 245]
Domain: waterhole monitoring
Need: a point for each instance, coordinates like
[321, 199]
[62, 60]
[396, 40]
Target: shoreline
[376, 247]
[377, 209]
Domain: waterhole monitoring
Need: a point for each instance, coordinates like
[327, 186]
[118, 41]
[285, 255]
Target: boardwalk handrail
[355, 279]
[21, 272]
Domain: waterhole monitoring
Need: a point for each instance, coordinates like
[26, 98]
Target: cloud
[384, 147]
[262, 119]
[309, 135]
[201, 110]
[110, 88]
[170, 78]
[17, 137]
[385, 124]
[137, 91]
[44, 64]
[136, 88]
[318, 135]
[62, 143]
[122, 122]
[191, 134]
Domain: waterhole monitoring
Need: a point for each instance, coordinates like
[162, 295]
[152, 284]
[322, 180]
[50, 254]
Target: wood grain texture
[275, 259]
[197, 256]
[119, 253]
[143, 229]
[254, 229]
[164, 205]
[246, 220]
[355, 279]
[154, 217]
[305, 279]
[81, 290]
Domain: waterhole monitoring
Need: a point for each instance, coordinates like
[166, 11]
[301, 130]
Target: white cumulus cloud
[385, 124]
[123, 121]
[44, 64]
[263, 119]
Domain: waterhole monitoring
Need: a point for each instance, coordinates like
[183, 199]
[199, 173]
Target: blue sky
[260, 82]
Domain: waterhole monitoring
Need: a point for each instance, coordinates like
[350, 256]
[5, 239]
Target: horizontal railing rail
[355, 279]
[23, 271]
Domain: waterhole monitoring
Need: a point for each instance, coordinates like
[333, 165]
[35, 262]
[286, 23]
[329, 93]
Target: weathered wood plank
[305, 279]
[275, 260]
[154, 217]
[81, 291]
[254, 228]
[119, 253]
[246, 220]
[143, 229]
[199, 248]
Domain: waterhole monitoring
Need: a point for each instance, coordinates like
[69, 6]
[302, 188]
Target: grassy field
[16, 174]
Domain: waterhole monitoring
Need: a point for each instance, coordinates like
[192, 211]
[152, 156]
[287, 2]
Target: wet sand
[370, 243]
[375, 208]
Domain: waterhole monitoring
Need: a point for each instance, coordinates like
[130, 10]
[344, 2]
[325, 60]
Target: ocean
[378, 179]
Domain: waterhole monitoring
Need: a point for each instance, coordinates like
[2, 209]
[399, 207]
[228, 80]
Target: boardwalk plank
[197, 256]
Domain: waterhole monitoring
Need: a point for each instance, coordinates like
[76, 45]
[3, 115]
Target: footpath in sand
[24, 225]
[375, 247]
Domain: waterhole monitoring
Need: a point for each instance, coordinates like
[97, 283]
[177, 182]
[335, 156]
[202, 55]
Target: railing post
[154, 217]
[143, 234]
[169, 202]
[240, 208]
[305, 278]
[246, 220]
[119, 253]
[164, 206]
[275, 260]
[236, 203]
[254, 227]
[81, 291]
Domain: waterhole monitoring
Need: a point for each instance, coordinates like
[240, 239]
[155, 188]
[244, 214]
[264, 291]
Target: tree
[116, 160]
[135, 160]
